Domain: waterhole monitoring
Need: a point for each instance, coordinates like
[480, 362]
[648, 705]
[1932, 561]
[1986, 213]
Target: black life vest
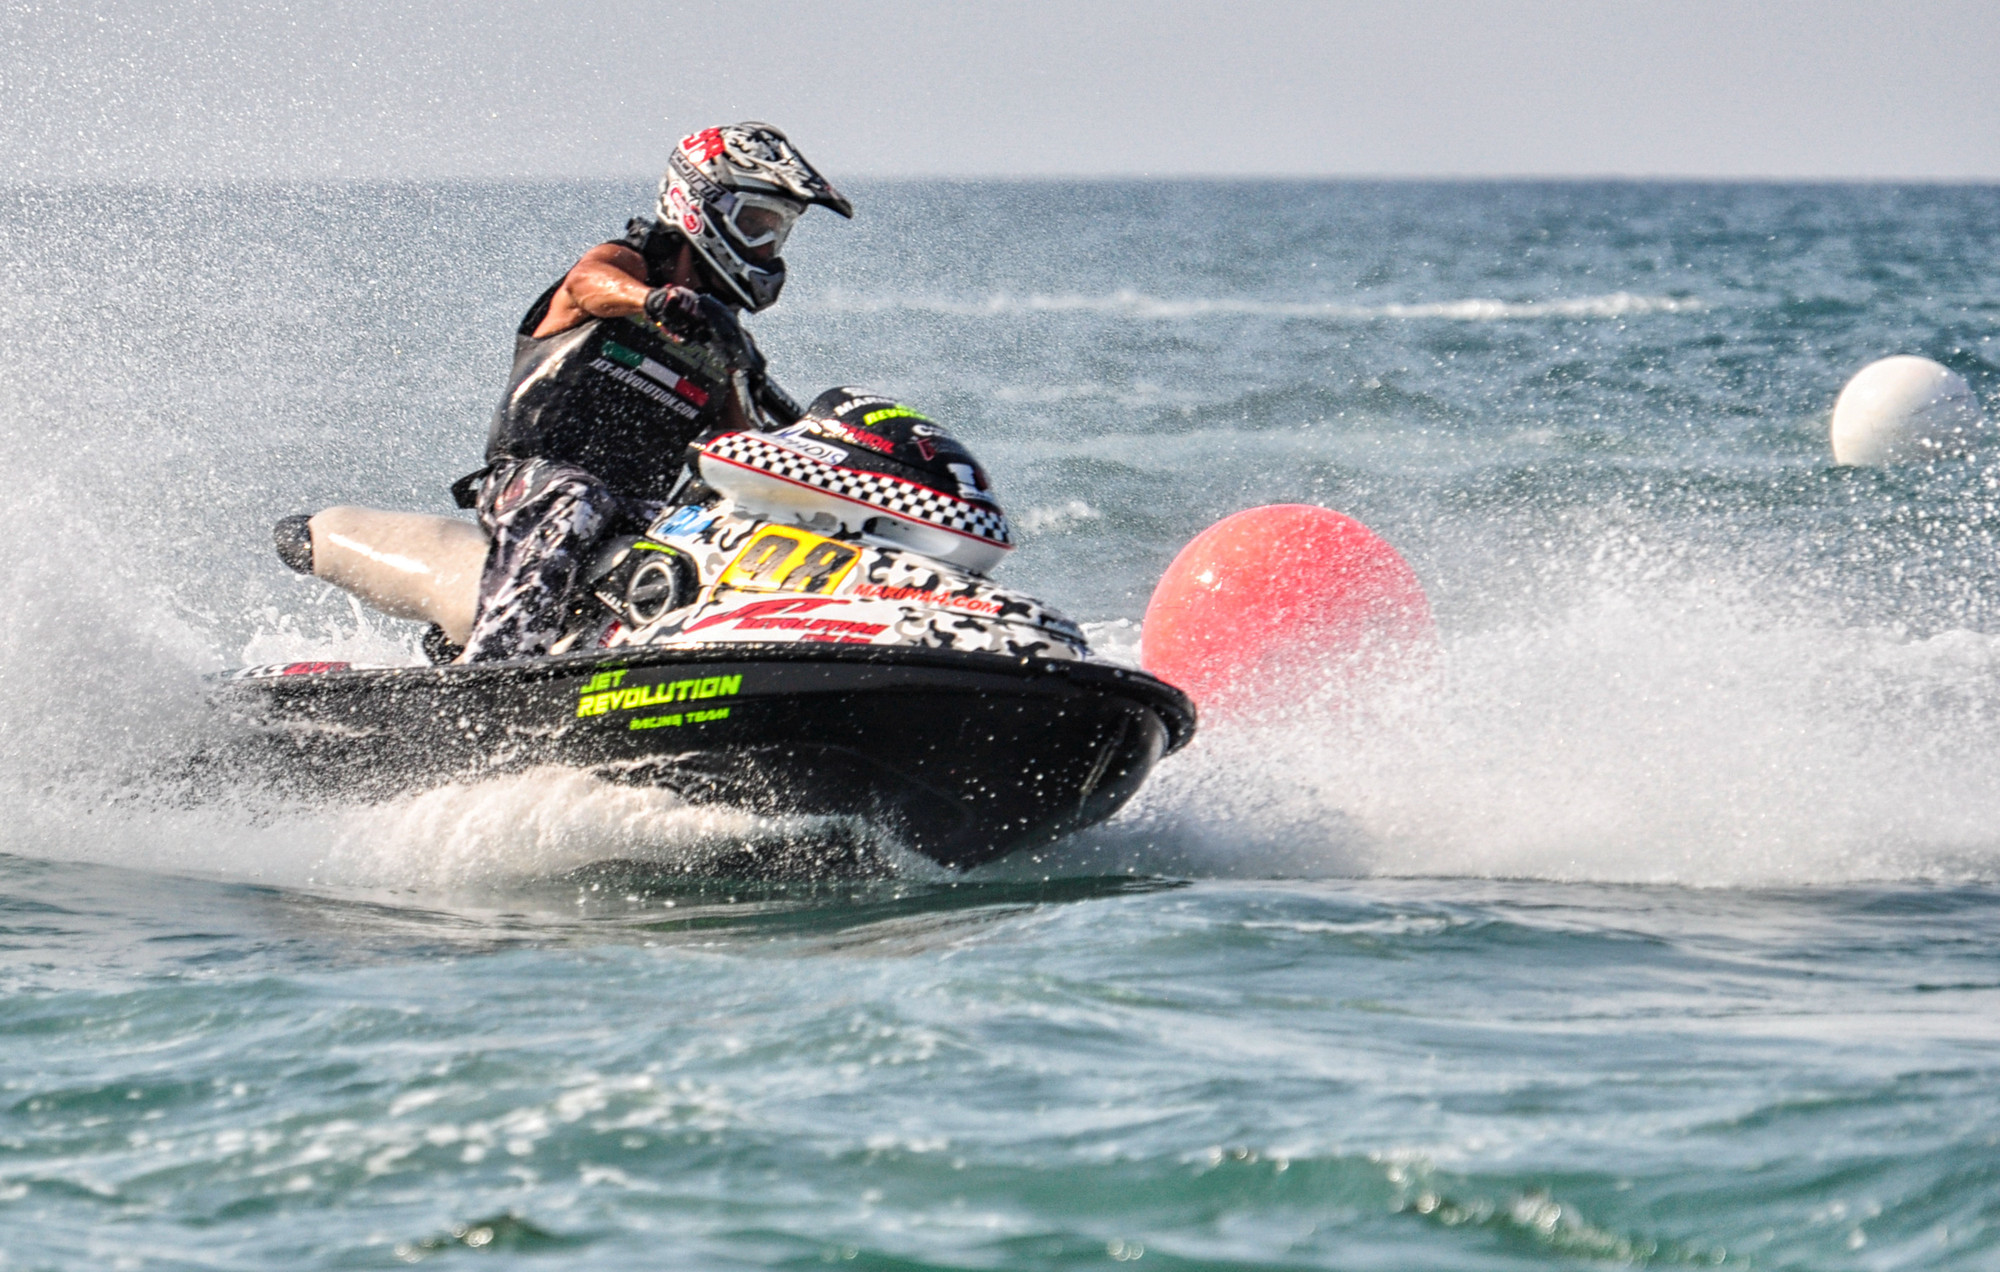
[618, 397]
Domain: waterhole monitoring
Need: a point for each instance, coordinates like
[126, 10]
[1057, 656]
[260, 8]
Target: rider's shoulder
[616, 250]
[642, 232]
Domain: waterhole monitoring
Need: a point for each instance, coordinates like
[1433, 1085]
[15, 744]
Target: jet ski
[807, 627]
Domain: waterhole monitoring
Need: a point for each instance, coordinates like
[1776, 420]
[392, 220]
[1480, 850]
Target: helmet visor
[759, 223]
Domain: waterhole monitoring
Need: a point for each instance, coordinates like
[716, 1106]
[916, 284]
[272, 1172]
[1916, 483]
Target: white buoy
[1902, 409]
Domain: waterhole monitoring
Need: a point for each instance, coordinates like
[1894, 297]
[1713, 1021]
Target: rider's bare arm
[609, 282]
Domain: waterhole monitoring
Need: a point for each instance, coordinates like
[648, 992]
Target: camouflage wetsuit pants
[543, 518]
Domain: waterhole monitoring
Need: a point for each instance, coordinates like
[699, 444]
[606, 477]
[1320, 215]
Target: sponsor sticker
[644, 387]
[676, 721]
[659, 374]
[692, 519]
[792, 439]
[971, 483]
[845, 433]
[604, 693]
[794, 615]
[941, 600]
[873, 418]
[790, 561]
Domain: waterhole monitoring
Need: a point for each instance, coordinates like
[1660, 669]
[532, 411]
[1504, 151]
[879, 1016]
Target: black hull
[966, 757]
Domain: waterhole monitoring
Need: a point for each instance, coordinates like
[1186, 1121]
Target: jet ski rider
[622, 362]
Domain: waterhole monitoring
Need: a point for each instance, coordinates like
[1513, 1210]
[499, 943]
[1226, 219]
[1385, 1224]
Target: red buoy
[1272, 595]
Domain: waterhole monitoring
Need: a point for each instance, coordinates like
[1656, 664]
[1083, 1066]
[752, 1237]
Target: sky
[206, 90]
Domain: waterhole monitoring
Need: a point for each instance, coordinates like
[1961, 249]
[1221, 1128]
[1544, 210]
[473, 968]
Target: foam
[372, 641]
[1057, 518]
[1640, 723]
[1680, 734]
[1648, 727]
[542, 823]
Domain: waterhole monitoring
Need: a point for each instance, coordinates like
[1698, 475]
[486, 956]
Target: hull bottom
[964, 757]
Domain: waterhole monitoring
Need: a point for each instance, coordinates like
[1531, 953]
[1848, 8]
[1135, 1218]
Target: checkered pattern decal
[890, 494]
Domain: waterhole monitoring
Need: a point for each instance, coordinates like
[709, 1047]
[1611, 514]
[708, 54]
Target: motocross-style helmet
[734, 192]
[875, 467]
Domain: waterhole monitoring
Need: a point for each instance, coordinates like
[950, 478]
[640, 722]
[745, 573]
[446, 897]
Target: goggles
[758, 222]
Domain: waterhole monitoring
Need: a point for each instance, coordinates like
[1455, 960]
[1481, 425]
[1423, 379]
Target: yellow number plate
[790, 561]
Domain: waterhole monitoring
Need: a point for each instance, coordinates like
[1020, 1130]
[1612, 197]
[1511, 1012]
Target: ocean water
[1660, 927]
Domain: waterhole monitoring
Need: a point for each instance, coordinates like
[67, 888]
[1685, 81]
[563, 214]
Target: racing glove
[678, 310]
[695, 316]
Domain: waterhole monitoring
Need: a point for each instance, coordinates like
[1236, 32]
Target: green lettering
[873, 418]
[607, 697]
[604, 680]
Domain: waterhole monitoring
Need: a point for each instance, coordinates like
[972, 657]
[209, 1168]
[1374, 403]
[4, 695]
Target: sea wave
[545, 822]
[1138, 305]
[1057, 518]
[1687, 733]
